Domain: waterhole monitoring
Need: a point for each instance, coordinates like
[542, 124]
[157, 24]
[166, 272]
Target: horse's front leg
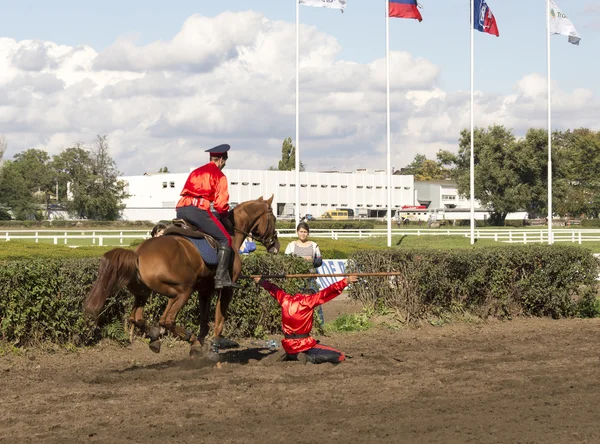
[204, 297]
[219, 342]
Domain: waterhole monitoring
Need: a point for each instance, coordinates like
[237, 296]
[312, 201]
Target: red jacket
[297, 313]
[205, 185]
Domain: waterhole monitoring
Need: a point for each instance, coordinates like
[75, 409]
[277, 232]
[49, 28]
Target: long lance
[312, 275]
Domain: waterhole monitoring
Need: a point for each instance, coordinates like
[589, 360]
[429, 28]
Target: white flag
[560, 24]
[334, 4]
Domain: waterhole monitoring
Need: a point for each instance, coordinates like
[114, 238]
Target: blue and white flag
[333, 4]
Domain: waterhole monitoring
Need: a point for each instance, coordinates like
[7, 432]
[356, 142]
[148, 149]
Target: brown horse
[172, 266]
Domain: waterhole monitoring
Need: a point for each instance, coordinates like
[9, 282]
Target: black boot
[222, 278]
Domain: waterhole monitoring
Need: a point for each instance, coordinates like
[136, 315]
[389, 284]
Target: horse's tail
[117, 268]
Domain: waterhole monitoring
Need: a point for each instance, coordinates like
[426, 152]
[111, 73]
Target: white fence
[76, 238]
[521, 236]
[124, 237]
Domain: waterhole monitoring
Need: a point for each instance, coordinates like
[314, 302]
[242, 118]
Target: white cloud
[231, 79]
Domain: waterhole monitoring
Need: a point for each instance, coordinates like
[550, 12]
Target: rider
[205, 187]
[297, 321]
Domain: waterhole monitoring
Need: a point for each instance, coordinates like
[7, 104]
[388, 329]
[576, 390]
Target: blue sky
[442, 40]
[443, 36]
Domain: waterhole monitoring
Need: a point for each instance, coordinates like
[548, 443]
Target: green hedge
[42, 301]
[590, 223]
[555, 281]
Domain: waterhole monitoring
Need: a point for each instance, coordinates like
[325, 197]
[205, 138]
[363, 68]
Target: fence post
[65, 238]
[496, 237]
[55, 240]
[121, 238]
[510, 236]
[580, 238]
[7, 238]
[36, 237]
[524, 238]
[360, 234]
[99, 241]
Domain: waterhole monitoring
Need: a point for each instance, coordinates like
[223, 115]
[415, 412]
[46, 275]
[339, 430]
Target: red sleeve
[274, 290]
[221, 202]
[328, 293]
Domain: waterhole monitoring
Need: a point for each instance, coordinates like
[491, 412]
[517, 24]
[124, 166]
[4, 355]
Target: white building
[442, 199]
[153, 197]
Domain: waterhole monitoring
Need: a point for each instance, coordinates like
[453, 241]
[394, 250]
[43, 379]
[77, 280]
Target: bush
[4, 215]
[554, 281]
[42, 300]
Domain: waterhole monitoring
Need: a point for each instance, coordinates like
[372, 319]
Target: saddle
[181, 227]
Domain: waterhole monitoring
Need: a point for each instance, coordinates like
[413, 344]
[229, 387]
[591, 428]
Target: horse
[172, 266]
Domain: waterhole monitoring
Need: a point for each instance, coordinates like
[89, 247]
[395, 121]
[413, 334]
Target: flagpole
[389, 149]
[472, 155]
[297, 153]
[550, 236]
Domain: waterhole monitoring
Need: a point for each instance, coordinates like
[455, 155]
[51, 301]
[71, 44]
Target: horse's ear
[270, 200]
[260, 199]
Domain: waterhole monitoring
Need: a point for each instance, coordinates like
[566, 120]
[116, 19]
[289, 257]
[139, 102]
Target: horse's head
[256, 217]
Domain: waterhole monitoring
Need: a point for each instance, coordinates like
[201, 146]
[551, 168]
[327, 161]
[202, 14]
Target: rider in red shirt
[297, 321]
[206, 190]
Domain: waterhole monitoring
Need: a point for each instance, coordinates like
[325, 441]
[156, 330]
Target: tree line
[81, 180]
[511, 173]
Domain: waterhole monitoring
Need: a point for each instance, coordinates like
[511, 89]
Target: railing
[124, 237]
[522, 236]
[76, 237]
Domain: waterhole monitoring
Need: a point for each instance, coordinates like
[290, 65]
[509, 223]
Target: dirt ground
[521, 381]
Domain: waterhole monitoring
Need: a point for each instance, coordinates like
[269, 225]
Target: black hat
[219, 151]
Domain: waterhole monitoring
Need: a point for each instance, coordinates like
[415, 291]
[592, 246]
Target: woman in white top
[304, 248]
[308, 250]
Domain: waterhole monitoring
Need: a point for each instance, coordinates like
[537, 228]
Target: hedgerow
[42, 300]
[556, 281]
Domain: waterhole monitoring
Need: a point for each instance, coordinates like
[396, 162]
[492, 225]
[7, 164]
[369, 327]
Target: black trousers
[322, 353]
[207, 222]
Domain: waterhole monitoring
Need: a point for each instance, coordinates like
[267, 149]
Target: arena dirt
[521, 381]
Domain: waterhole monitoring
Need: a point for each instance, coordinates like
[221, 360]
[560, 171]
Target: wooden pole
[313, 275]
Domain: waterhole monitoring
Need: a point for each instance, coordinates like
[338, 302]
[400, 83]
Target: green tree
[26, 184]
[3, 146]
[508, 173]
[576, 184]
[288, 157]
[426, 169]
[88, 181]
[163, 170]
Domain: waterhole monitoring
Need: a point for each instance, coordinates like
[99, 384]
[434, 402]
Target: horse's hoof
[196, 351]
[213, 356]
[153, 333]
[155, 346]
[224, 343]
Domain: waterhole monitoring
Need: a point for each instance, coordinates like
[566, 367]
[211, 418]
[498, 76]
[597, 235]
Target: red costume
[205, 185]
[297, 319]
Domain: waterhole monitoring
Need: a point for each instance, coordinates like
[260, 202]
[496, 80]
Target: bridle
[269, 241]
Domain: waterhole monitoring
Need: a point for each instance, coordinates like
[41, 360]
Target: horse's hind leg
[136, 318]
[170, 315]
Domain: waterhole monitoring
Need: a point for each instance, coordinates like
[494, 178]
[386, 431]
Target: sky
[167, 80]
